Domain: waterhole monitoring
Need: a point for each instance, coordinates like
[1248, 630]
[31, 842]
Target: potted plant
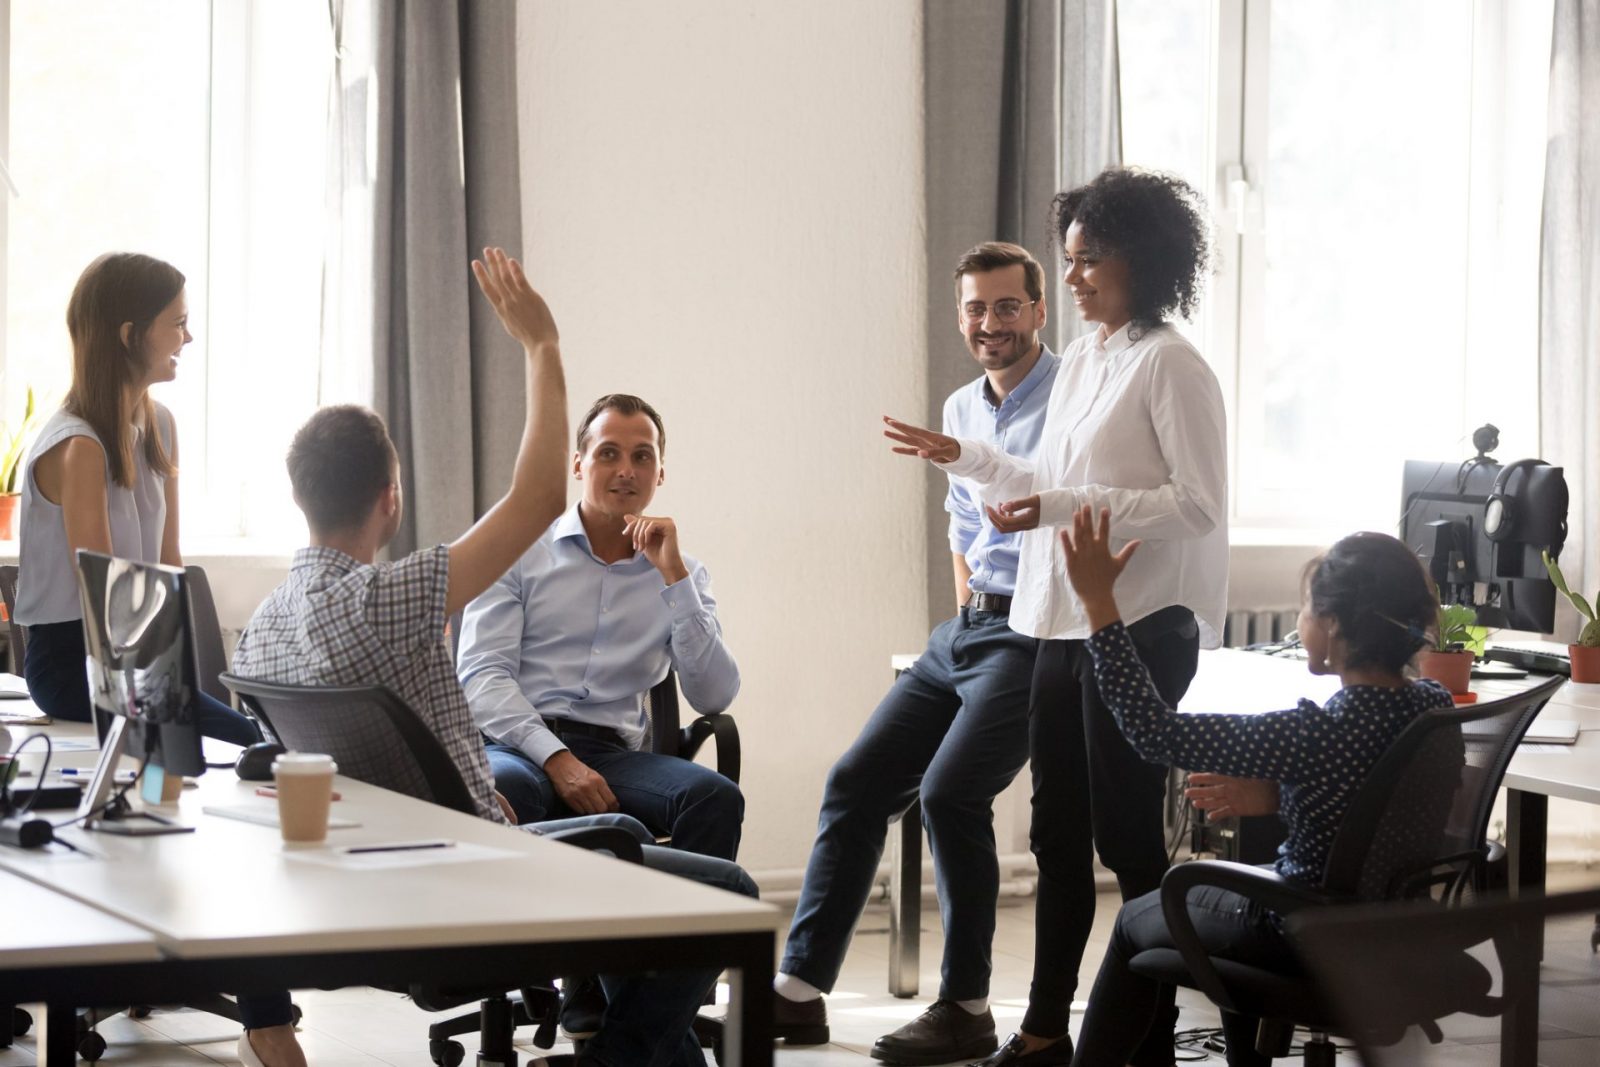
[1457, 641]
[13, 446]
[1585, 655]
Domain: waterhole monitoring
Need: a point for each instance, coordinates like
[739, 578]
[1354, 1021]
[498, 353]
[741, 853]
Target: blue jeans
[58, 683]
[649, 1018]
[1123, 1004]
[698, 808]
[954, 728]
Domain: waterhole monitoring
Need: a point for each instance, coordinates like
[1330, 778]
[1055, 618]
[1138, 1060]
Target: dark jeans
[954, 728]
[1091, 791]
[257, 1011]
[1123, 1003]
[648, 1018]
[58, 683]
[698, 808]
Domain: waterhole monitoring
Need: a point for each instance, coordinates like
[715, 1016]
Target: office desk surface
[234, 888]
[41, 928]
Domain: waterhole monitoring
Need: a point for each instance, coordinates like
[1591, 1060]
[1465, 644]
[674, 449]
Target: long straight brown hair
[118, 287]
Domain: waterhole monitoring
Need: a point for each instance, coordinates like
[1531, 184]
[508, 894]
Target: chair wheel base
[91, 1046]
[447, 1053]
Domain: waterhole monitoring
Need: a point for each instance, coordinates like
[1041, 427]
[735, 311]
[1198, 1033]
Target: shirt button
[597, 651]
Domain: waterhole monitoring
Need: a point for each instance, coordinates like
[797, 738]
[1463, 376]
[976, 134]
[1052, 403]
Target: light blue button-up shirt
[1013, 426]
[563, 635]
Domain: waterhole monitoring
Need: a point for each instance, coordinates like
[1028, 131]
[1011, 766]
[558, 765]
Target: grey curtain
[1021, 103]
[446, 377]
[1569, 296]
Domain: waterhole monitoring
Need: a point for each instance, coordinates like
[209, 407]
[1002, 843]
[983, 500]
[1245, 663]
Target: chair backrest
[371, 734]
[1428, 798]
[1383, 967]
[14, 631]
[210, 659]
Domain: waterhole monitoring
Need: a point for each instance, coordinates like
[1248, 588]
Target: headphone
[1500, 509]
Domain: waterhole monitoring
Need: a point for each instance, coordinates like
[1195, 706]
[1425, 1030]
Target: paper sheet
[460, 852]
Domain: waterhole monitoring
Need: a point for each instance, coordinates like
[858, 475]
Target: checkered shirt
[336, 621]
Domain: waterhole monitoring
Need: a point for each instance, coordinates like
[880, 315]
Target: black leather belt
[990, 602]
[571, 728]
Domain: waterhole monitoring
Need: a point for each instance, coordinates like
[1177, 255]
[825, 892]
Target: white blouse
[1135, 425]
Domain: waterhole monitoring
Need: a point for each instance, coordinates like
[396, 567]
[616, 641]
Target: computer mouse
[255, 763]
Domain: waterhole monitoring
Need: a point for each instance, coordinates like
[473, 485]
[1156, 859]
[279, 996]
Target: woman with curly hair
[1136, 425]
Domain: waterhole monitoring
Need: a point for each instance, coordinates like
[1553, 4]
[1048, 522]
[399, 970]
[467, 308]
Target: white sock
[974, 1007]
[789, 987]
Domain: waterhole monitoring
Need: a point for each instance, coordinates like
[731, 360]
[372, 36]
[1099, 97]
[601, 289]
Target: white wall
[723, 204]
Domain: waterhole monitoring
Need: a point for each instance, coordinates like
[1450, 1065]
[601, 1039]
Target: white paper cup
[305, 791]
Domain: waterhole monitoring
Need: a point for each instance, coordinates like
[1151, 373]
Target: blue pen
[72, 772]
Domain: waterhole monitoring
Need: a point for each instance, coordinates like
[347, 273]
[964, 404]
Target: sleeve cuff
[542, 747]
[682, 599]
[1056, 506]
[969, 462]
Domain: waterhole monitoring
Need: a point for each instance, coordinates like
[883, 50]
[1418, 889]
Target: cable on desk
[11, 772]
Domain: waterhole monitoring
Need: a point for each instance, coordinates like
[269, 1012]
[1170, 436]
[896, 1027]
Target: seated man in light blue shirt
[557, 656]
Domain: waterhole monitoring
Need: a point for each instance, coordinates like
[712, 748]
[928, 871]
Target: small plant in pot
[13, 446]
[1585, 655]
[1458, 640]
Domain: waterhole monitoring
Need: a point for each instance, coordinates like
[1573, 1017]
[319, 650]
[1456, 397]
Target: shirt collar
[570, 524]
[1040, 371]
[320, 556]
[1116, 343]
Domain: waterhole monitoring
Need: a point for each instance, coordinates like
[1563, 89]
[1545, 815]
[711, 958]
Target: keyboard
[1543, 660]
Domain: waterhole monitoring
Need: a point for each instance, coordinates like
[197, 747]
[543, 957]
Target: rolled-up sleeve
[489, 663]
[707, 673]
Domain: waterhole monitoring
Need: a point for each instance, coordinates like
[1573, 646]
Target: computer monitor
[142, 676]
[1442, 517]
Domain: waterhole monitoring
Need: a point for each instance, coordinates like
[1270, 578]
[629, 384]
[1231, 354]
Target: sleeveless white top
[47, 583]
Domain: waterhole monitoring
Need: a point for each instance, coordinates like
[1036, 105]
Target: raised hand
[916, 441]
[657, 538]
[1222, 796]
[522, 311]
[1015, 515]
[1091, 567]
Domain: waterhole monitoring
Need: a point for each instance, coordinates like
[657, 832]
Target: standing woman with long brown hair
[103, 473]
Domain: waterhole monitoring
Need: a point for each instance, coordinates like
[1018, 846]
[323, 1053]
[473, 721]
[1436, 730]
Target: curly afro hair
[1154, 221]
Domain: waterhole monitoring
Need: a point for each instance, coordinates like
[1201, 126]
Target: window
[194, 131]
[1375, 173]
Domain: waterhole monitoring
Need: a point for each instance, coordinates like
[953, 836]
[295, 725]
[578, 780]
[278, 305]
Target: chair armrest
[1264, 887]
[723, 731]
[613, 839]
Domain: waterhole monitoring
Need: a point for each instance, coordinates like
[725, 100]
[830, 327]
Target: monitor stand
[101, 811]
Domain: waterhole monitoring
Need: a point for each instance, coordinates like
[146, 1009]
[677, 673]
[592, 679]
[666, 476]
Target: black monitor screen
[1442, 519]
[140, 657]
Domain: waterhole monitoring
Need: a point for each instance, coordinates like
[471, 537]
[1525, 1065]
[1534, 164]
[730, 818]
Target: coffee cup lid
[304, 763]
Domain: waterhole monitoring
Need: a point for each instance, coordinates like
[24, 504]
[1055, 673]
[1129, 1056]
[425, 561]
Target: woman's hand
[1222, 796]
[1091, 567]
[1014, 516]
[915, 441]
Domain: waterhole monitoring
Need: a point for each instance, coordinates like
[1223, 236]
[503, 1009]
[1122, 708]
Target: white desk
[232, 900]
[49, 944]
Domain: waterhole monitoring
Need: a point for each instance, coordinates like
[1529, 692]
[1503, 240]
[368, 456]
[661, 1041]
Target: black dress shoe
[943, 1033]
[799, 1022]
[1011, 1054]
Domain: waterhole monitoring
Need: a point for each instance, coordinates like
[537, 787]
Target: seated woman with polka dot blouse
[1368, 605]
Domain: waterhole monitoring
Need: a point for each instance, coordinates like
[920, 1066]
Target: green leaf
[1582, 605]
[1555, 572]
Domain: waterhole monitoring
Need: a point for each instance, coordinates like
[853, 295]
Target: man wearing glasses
[954, 728]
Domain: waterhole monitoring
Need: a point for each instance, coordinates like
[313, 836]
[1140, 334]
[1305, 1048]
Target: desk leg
[905, 903]
[58, 1038]
[747, 1034]
[1527, 826]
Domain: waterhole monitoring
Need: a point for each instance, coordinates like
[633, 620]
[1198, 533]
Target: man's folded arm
[707, 673]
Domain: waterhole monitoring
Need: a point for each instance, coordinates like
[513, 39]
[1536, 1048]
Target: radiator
[1254, 626]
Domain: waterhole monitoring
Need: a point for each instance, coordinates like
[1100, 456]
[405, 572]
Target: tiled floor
[368, 1028]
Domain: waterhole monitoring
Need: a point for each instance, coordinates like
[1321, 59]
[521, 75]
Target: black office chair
[376, 738]
[210, 658]
[1375, 961]
[1416, 829]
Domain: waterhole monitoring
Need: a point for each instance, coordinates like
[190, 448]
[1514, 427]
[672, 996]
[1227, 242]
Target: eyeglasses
[1007, 311]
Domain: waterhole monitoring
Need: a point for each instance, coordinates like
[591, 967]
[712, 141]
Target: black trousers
[1091, 792]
